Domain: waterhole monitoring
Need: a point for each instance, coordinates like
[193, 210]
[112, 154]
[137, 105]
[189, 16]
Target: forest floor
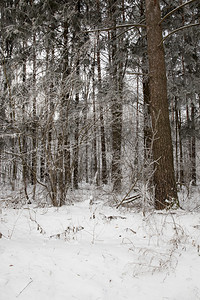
[95, 252]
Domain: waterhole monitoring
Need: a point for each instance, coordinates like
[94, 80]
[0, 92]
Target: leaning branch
[116, 27]
[31, 280]
[136, 73]
[175, 9]
[178, 29]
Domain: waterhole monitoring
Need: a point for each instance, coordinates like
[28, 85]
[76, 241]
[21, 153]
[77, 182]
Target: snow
[93, 252]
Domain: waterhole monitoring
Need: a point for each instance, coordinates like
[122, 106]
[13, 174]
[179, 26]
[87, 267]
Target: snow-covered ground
[95, 252]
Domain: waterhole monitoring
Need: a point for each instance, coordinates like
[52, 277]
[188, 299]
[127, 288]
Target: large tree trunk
[164, 178]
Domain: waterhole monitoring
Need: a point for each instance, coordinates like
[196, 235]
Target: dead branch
[178, 29]
[117, 27]
[31, 280]
[128, 200]
[175, 9]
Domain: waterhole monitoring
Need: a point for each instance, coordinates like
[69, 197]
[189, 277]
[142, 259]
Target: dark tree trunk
[34, 122]
[24, 139]
[94, 161]
[67, 167]
[64, 173]
[116, 103]
[103, 139]
[147, 119]
[193, 146]
[180, 148]
[76, 137]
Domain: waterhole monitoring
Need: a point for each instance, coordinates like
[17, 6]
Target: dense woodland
[103, 92]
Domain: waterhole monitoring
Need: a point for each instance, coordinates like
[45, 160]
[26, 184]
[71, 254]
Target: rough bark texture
[164, 178]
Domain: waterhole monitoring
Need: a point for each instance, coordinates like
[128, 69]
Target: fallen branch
[128, 200]
[31, 280]
[115, 217]
[65, 233]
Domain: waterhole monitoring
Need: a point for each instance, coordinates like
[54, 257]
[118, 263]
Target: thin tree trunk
[67, 169]
[193, 146]
[94, 165]
[147, 129]
[34, 122]
[147, 119]
[137, 126]
[76, 136]
[24, 141]
[103, 138]
[51, 176]
[181, 176]
[104, 174]
[116, 104]
[175, 111]
[63, 142]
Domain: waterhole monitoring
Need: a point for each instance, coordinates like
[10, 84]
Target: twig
[31, 280]
[116, 27]
[175, 9]
[178, 29]
[131, 199]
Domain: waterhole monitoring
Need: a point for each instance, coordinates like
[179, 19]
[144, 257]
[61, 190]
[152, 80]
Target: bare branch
[175, 9]
[178, 29]
[136, 73]
[117, 26]
[31, 280]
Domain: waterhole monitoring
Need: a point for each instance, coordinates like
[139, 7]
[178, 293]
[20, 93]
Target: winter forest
[100, 122]
[86, 97]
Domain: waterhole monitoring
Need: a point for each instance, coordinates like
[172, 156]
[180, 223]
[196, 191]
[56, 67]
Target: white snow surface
[95, 252]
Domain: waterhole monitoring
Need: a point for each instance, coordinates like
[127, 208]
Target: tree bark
[164, 177]
[193, 146]
[34, 122]
[103, 139]
[116, 103]
[76, 135]
[95, 162]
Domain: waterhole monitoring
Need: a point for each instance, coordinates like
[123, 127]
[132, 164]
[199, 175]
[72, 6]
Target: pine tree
[164, 177]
